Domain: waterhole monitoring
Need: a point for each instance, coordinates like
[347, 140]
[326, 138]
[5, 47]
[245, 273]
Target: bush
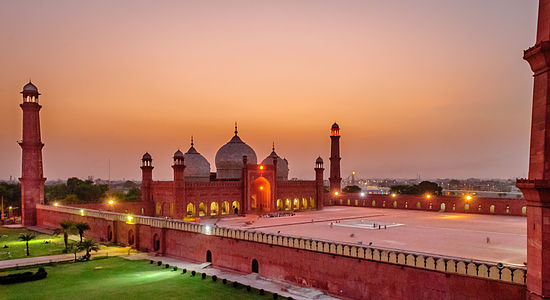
[159, 263]
[175, 268]
[193, 273]
[214, 278]
[183, 271]
[224, 281]
[23, 277]
[235, 284]
[248, 288]
[275, 296]
[262, 292]
[152, 261]
[167, 266]
[203, 275]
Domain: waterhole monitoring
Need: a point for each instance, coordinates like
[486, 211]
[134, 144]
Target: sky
[435, 88]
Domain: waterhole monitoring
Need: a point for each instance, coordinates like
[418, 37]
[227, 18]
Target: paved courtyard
[482, 237]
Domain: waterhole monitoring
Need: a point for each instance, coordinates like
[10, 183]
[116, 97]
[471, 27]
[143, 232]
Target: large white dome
[197, 168]
[282, 165]
[229, 159]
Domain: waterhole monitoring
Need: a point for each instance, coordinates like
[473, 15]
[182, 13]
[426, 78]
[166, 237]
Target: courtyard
[118, 278]
[11, 247]
[481, 237]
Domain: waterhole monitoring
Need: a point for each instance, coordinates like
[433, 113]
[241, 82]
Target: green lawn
[118, 278]
[17, 249]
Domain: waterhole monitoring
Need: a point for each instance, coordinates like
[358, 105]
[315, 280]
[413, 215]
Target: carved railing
[434, 262]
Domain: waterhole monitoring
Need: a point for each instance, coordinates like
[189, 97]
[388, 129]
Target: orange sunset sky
[430, 87]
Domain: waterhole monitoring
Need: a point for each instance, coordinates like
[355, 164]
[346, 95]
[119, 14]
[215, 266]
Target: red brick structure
[335, 179]
[536, 188]
[32, 174]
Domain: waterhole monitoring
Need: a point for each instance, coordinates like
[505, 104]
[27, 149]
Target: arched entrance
[156, 242]
[208, 256]
[190, 210]
[225, 208]
[236, 206]
[202, 209]
[255, 266]
[442, 207]
[280, 204]
[260, 195]
[213, 208]
[130, 237]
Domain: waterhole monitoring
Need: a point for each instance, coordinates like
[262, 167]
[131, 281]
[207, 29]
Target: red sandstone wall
[343, 276]
[502, 206]
[122, 207]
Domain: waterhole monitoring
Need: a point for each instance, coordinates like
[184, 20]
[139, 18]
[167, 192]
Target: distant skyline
[430, 87]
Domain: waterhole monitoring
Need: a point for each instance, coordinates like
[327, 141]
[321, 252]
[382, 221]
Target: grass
[17, 248]
[118, 278]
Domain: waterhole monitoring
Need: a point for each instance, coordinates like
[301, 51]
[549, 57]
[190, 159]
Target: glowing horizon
[436, 88]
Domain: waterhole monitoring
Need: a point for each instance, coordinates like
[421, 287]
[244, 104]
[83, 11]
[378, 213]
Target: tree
[88, 246]
[67, 227]
[351, 189]
[73, 248]
[27, 237]
[81, 227]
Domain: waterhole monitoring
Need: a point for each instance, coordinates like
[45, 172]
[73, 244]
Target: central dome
[197, 168]
[229, 159]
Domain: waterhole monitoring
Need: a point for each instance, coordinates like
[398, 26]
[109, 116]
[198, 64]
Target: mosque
[240, 184]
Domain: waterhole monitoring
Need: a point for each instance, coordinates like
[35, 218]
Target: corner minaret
[32, 174]
[147, 182]
[179, 185]
[319, 185]
[335, 179]
[536, 188]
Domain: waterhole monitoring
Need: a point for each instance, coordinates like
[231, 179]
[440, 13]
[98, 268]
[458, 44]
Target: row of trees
[11, 193]
[86, 191]
[425, 187]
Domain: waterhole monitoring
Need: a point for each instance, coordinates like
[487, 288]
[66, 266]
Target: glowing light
[129, 218]
[468, 197]
[362, 194]
[428, 196]
[10, 207]
[207, 229]
[111, 202]
[394, 195]
[81, 212]
[353, 173]
[261, 188]
[336, 193]
[261, 167]
[55, 204]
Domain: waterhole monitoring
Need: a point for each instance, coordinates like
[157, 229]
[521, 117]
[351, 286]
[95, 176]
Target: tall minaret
[335, 179]
[536, 188]
[146, 183]
[32, 174]
[179, 186]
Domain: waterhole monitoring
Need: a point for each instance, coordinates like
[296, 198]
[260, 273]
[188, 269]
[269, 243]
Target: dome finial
[273, 148]
[192, 144]
[236, 128]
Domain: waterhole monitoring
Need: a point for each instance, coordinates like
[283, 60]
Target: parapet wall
[348, 270]
[477, 205]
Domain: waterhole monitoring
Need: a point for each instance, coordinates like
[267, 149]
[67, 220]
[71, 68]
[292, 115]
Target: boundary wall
[342, 269]
[477, 205]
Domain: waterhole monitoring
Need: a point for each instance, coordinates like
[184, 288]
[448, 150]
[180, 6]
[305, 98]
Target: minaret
[32, 174]
[319, 185]
[536, 188]
[179, 185]
[335, 179]
[147, 182]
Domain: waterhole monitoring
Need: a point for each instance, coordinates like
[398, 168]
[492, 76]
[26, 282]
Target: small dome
[197, 168]
[229, 158]
[335, 126]
[146, 156]
[178, 154]
[30, 87]
[282, 164]
[319, 160]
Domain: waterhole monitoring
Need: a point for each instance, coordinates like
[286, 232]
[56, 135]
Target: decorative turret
[179, 184]
[319, 183]
[147, 182]
[32, 174]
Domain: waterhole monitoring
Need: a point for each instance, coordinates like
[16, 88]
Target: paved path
[104, 251]
[282, 288]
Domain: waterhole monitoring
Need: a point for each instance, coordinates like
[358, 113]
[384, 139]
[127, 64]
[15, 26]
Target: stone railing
[448, 264]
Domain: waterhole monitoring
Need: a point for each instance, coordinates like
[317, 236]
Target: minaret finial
[273, 148]
[192, 144]
[236, 128]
